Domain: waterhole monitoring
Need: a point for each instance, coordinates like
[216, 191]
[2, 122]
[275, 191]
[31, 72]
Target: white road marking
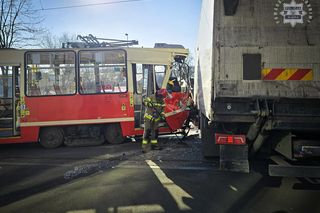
[151, 208]
[233, 188]
[197, 168]
[83, 211]
[176, 192]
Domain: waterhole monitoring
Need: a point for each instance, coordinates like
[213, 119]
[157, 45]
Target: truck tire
[51, 137]
[209, 148]
[113, 134]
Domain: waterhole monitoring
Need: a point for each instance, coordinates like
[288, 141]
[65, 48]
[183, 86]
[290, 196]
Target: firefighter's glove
[148, 104]
[147, 101]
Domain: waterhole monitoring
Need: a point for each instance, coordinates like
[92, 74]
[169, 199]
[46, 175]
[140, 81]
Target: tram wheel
[51, 137]
[113, 134]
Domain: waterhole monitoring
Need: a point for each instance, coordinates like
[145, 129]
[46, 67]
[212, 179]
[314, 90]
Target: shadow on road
[28, 169]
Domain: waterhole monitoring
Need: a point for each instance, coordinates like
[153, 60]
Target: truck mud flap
[234, 158]
[283, 168]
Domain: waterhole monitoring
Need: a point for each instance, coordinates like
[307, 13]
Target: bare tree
[18, 26]
[18, 23]
[50, 40]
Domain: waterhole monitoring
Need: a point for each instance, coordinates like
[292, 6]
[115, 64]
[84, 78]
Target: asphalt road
[119, 178]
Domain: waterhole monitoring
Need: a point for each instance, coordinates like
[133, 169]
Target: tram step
[5, 119]
[6, 124]
[6, 132]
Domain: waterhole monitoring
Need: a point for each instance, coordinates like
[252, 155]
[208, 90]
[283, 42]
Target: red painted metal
[299, 74]
[178, 107]
[176, 121]
[273, 74]
[91, 108]
[28, 134]
[77, 107]
[127, 128]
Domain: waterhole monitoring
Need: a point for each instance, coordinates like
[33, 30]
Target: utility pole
[127, 38]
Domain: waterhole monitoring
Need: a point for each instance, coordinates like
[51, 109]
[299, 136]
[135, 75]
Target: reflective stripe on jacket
[154, 108]
[151, 118]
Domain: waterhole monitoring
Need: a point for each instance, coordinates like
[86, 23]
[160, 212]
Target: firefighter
[153, 115]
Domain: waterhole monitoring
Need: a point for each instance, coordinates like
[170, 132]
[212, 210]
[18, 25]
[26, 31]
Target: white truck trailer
[257, 82]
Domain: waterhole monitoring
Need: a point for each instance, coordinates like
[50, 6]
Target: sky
[148, 21]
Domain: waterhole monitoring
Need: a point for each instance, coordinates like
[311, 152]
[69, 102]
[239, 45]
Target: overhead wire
[85, 5]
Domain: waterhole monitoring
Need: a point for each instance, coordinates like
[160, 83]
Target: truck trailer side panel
[204, 59]
[260, 80]
[253, 31]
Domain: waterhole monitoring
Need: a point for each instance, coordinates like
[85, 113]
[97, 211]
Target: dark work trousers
[150, 133]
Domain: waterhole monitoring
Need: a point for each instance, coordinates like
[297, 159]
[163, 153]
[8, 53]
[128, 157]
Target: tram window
[147, 86]
[103, 71]
[50, 73]
[139, 78]
[160, 71]
[5, 82]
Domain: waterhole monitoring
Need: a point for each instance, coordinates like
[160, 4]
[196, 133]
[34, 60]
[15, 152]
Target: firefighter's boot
[155, 145]
[144, 146]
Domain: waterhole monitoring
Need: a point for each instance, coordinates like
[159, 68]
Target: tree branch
[18, 24]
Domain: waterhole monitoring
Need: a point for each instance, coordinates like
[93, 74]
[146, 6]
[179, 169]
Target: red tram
[58, 96]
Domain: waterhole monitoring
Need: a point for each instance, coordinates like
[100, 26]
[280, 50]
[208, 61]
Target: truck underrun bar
[283, 168]
[283, 111]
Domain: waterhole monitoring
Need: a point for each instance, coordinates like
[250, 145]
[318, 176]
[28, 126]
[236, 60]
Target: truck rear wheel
[51, 137]
[113, 134]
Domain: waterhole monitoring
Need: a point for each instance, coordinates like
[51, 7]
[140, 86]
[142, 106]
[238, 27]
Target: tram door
[9, 99]
[143, 86]
[147, 79]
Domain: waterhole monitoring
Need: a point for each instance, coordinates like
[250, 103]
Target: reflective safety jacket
[154, 108]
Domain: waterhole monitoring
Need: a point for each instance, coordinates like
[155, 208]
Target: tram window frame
[56, 88]
[140, 87]
[138, 81]
[157, 72]
[103, 88]
[9, 82]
